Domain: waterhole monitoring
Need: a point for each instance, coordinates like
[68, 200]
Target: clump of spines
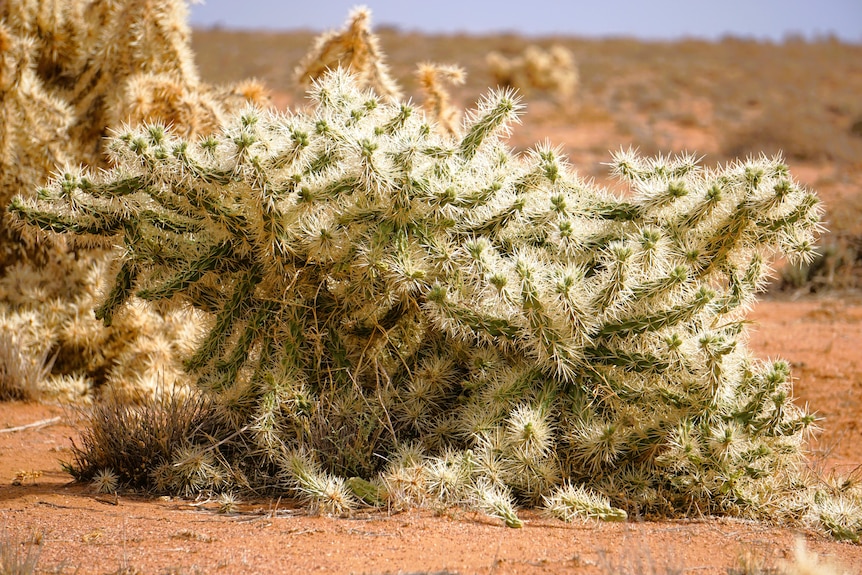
[354, 47]
[31, 140]
[321, 491]
[139, 38]
[570, 502]
[56, 349]
[71, 71]
[106, 481]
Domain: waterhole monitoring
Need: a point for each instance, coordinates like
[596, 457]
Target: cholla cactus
[373, 285]
[553, 71]
[69, 71]
[109, 63]
[138, 38]
[60, 31]
[569, 503]
[47, 318]
[164, 98]
[32, 125]
[322, 492]
[437, 102]
[356, 48]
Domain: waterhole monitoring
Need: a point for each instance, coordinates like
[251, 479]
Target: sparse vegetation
[133, 446]
[18, 558]
[398, 317]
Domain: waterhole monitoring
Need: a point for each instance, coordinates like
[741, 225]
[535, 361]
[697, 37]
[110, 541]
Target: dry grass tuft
[19, 558]
[126, 443]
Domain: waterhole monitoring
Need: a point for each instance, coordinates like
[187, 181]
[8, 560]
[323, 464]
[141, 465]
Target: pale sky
[644, 19]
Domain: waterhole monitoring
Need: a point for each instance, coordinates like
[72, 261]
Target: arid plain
[721, 100]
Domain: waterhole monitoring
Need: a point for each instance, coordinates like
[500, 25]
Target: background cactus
[437, 102]
[553, 71]
[31, 132]
[70, 70]
[497, 329]
[354, 47]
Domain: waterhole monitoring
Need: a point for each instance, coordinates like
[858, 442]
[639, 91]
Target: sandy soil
[82, 532]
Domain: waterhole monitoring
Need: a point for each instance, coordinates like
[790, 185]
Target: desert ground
[721, 100]
[83, 532]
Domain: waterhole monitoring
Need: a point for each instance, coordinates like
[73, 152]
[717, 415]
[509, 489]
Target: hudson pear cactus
[400, 315]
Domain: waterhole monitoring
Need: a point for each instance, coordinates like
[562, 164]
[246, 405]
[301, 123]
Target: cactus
[497, 329]
[437, 103]
[32, 125]
[139, 38]
[70, 70]
[356, 48]
[553, 71]
[47, 328]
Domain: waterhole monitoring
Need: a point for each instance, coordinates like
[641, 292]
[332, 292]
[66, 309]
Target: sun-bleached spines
[137, 39]
[236, 96]
[89, 49]
[437, 102]
[31, 140]
[146, 37]
[354, 48]
[164, 98]
[32, 114]
[59, 30]
[131, 60]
